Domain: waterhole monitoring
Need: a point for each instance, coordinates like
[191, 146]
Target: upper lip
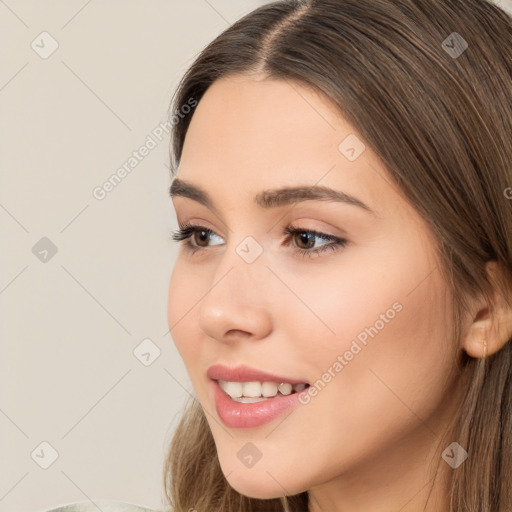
[245, 373]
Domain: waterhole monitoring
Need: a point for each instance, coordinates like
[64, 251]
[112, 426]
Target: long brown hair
[439, 116]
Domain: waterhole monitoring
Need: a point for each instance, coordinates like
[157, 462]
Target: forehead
[248, 134]
[256, 120]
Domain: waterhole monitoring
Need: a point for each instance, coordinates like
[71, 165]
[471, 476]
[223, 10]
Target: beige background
[71, 322]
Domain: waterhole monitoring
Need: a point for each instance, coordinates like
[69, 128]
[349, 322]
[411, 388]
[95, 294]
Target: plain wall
[69, 325]
[71, 321]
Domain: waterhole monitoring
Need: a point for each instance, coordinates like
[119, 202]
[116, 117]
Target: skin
[364, 443]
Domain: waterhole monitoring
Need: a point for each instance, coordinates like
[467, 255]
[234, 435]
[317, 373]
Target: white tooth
[245, 400]
[257, 391]
[252, 389]
[285, 388]
[269, 389]
[233, 389]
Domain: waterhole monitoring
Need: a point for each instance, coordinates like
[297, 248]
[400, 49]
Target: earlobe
[475, 344]
[491, 327]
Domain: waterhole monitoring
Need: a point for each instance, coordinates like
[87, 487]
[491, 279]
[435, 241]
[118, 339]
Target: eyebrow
[270, 198]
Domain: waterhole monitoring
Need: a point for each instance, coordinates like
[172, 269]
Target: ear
[491, 326]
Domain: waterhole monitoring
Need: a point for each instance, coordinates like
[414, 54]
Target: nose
[237, 303]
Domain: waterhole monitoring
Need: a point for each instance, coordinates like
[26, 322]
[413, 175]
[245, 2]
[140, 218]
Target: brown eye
[195, 238]
[303, 241]
[202, 235]
[199, 238]
[306, 238]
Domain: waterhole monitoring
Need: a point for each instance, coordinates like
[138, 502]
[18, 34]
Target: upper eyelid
[290, 223]
[291, 227]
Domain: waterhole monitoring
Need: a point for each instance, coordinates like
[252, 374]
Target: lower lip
[238, 415]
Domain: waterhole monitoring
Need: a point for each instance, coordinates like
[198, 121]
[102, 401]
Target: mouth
[245, 384]
[246, 397]
[257, 391]
[254, 411]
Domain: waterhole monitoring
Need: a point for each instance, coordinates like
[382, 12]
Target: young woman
[342, 297]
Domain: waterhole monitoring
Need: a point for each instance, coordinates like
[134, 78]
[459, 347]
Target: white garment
[101, 506]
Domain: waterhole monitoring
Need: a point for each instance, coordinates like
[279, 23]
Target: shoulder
[103, 505]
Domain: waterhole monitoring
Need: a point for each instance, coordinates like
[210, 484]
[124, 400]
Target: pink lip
[238, 415]
[245, 373]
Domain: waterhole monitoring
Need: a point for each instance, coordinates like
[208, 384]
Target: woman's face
[367, 319]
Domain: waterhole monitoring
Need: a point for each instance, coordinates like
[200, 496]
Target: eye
[197, 233]
[195, 236]
[308, 238]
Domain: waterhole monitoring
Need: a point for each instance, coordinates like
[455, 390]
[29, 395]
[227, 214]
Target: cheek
[342, 304]
[378, 335]
[180, 312]
[373, 292]
[394, 373]
[393, 385]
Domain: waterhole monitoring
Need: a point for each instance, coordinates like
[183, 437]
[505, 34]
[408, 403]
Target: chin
[252, 486]
[259, 483]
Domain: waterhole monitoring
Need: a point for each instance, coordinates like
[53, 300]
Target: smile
[255, 391]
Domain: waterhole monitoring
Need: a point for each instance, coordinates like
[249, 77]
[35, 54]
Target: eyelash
[185, 232]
